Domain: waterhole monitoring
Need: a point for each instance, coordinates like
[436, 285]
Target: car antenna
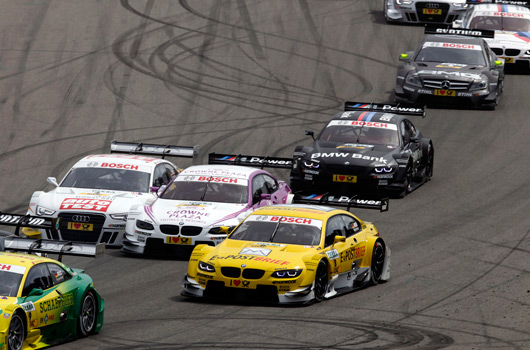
[206, 188]
[276, 229]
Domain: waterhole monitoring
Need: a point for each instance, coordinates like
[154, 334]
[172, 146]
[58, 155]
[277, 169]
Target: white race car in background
[420, 11]
[92, 201]
[511, 24]
[199, 206]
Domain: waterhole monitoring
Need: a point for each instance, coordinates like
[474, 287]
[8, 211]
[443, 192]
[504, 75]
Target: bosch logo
[432, 6]
[446, 84]
[81, 218]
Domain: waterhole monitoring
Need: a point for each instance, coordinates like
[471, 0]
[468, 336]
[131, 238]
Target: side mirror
[224, 229]
[52, 181]
[264, 196]
[405, 57]
[310, 133]
[499, 64]
[339, 239]
[154, 189]
[35, 292]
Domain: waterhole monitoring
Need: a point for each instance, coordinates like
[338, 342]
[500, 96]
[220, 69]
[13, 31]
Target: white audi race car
[421, 11]
[510, 19]
[201, 205]
[92, 201]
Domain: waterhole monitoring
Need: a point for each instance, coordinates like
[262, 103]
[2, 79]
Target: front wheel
[321, 281]
[17, 333]
[88, 315]
[378, 263]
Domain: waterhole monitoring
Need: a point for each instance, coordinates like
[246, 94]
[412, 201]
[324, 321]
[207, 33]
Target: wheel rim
[378, 261]
[88, 314]
[16, 333]
[321, 282]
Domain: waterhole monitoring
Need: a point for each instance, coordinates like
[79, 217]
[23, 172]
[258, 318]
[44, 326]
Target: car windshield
[9, 283]
[284, 232]
[206, 192]
[108, 179]
[511, 24]
[451, 53]
[360, 135]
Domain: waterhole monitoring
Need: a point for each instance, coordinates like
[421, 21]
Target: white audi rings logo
[81, 218]
[432, 6]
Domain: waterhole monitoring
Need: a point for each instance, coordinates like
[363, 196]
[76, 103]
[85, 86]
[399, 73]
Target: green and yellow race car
[42, 301]
[290, 254]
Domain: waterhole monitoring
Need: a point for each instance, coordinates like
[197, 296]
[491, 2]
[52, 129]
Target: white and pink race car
[92, 201]
[200, 203]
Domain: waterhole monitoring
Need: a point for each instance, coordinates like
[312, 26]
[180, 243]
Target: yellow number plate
[345, 178]
[78, 226]
[508, 59]
[178, 240]
[432, 11]
[451, 93]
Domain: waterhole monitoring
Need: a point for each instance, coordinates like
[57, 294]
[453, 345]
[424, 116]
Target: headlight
[459, 4]
[412, 79]
[383, 169]
[206, 267]
[479, 85]
[120, 216]
[527, 52]
[220, 231]
[311, 164]
[44, 211]
[286, 273]
[144, 225]
[403, 2]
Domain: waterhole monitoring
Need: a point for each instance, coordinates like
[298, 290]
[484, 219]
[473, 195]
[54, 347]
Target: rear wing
[385, 108]
[48, 246]
[154, 149]
[254, 161]
[478, 33]
[19, 221]
[342, 201]
[499, 2]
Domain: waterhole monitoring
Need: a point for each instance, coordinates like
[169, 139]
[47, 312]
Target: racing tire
[16, 333]
[428, 162]
[88, 315]
[321, 281]
[378, 263]
[407, 183]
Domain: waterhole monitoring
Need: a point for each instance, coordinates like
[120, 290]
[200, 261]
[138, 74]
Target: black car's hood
[355, 154]
[451, 71]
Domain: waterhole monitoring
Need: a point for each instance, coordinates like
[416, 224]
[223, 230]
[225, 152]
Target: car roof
[318, 212]
[220, 170]
[369, 116]
[116, 160]
[490, 9]
[20, 259]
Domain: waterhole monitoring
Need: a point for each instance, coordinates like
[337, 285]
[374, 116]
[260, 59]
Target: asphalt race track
[250, 77]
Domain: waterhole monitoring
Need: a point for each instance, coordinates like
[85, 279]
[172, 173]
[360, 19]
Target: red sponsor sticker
[85, 204]
[119, 166]
[217, 179]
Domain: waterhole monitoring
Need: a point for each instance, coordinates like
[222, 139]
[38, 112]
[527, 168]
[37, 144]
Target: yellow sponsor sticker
[432, 11]
[345, 178]
[79, 226]
[450, 93]
[178, 240]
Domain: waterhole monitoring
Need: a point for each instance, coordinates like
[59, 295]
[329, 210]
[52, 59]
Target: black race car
[370, 150]
[451, 68]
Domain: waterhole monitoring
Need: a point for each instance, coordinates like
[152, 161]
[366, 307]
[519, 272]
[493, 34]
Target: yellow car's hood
[260, 255]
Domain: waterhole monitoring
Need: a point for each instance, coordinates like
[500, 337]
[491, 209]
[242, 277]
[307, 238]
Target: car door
[334, 227]
[355, 247]
[411, 143]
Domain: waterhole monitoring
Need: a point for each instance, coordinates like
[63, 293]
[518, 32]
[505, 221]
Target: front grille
[432, 6]
[453, 84]
[262, 293]
[232, 272]
[340, 169]
[497, 51]
[253, 274]
[170, 230]
[97, 220]
[190, 230]
[512, 52]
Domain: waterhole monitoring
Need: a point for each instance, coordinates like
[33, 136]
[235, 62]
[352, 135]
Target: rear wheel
[378, 262]
[321, 281]
[88, 315]
[17, 333]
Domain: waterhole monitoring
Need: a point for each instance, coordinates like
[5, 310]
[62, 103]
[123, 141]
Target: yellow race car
[290, 254]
